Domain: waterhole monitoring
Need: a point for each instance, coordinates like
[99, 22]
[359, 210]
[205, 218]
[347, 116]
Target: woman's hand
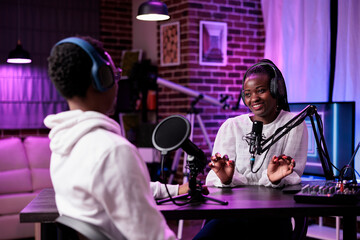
[223, 167]
[279, 167]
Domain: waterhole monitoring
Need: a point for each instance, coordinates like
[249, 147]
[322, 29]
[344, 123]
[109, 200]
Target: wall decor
[213, 43]
[170, 44]
[128, 59]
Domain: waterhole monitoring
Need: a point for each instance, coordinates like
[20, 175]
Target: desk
[243, 201]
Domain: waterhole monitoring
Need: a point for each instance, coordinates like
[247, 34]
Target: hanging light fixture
[19, 55]
[153, 10]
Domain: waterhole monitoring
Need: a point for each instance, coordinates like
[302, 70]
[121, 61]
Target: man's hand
[184, 188]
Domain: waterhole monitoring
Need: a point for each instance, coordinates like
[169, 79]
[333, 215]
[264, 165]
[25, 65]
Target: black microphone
[255, 140]
[196, 159]
[173, 133]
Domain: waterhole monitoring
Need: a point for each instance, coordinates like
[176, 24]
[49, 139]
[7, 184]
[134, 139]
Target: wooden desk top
[247, 200]
[254, 200]
[41, 209]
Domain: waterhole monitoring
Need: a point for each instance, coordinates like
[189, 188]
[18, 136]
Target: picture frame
[170, 44]
[213, 43]
[128, 59]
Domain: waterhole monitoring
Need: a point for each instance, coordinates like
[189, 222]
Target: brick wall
[245, 46]
[116, 26]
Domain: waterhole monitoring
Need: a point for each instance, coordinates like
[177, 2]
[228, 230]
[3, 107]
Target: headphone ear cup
[103, 77]
[274, 88]
[243, 97]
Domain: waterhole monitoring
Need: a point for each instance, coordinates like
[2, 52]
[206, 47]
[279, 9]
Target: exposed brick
[245, 45]
[249, 4]
[219, 74]
[204, 14]
[226, 9]
[219, 15]
[196, 5]
[234, 31]
[240, 10]
[234, 75]
[235, 3]
[255, 12]
[210, 7]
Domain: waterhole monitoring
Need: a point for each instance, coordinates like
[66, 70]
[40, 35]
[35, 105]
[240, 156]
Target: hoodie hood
[68, 127]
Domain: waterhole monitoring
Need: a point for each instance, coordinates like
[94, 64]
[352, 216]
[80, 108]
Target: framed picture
[213, 43]
[170, 44]
[128, 59]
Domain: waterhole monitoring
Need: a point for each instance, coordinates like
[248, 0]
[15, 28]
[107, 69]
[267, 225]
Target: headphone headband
[277, 84]
[101, 71]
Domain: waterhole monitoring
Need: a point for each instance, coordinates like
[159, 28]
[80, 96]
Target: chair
[74, 229]
[300, 228]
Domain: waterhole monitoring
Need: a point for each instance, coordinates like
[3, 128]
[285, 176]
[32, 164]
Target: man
[98, 176]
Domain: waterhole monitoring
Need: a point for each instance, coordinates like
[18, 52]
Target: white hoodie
[100, 178]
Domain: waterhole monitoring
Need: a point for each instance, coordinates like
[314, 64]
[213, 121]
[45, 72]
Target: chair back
[74, 229]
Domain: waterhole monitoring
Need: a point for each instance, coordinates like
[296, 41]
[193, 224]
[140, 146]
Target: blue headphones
[101, 71]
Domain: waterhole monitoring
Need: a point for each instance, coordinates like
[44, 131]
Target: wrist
[226, 181]
[275, 182]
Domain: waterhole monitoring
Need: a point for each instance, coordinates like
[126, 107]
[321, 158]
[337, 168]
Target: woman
[264, 93]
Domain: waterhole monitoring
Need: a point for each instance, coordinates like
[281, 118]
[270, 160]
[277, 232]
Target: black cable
[349, 165]
[272, 139]
[167, 190]
[322, 141]
[354, 154]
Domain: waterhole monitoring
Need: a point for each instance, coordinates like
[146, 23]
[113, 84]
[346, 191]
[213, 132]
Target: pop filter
[171, 133]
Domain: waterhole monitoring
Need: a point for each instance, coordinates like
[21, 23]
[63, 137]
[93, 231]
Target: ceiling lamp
[153, 10]
[19, 55]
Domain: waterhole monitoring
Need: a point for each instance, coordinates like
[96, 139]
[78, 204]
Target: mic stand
[309, 111]
[192, 113]
[195, 192]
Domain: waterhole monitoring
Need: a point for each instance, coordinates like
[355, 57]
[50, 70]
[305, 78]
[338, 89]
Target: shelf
[323, 232]
[326, 233]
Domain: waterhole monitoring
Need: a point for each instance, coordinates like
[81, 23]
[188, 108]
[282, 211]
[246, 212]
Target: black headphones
[277, 84]
[101, 71]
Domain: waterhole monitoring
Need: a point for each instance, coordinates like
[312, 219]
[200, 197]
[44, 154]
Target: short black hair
[69, 67]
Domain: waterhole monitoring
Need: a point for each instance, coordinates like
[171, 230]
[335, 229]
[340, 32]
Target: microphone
[196, 159]
[173, 133]
[255, 140]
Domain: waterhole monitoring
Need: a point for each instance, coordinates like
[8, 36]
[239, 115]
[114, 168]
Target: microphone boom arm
[308, 111]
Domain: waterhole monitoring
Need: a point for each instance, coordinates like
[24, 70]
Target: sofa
[24, 172]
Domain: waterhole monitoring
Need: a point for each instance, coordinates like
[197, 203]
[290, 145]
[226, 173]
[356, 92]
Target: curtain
[347, 68]
[27, 95]
[298, 41]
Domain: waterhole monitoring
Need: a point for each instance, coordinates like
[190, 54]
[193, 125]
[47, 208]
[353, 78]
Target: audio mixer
[341, 192]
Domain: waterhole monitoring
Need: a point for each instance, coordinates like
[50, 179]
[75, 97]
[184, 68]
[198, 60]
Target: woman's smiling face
[259, 99]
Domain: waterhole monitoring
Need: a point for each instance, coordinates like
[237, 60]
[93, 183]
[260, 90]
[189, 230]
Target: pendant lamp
[19, 55]
[153, 10]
